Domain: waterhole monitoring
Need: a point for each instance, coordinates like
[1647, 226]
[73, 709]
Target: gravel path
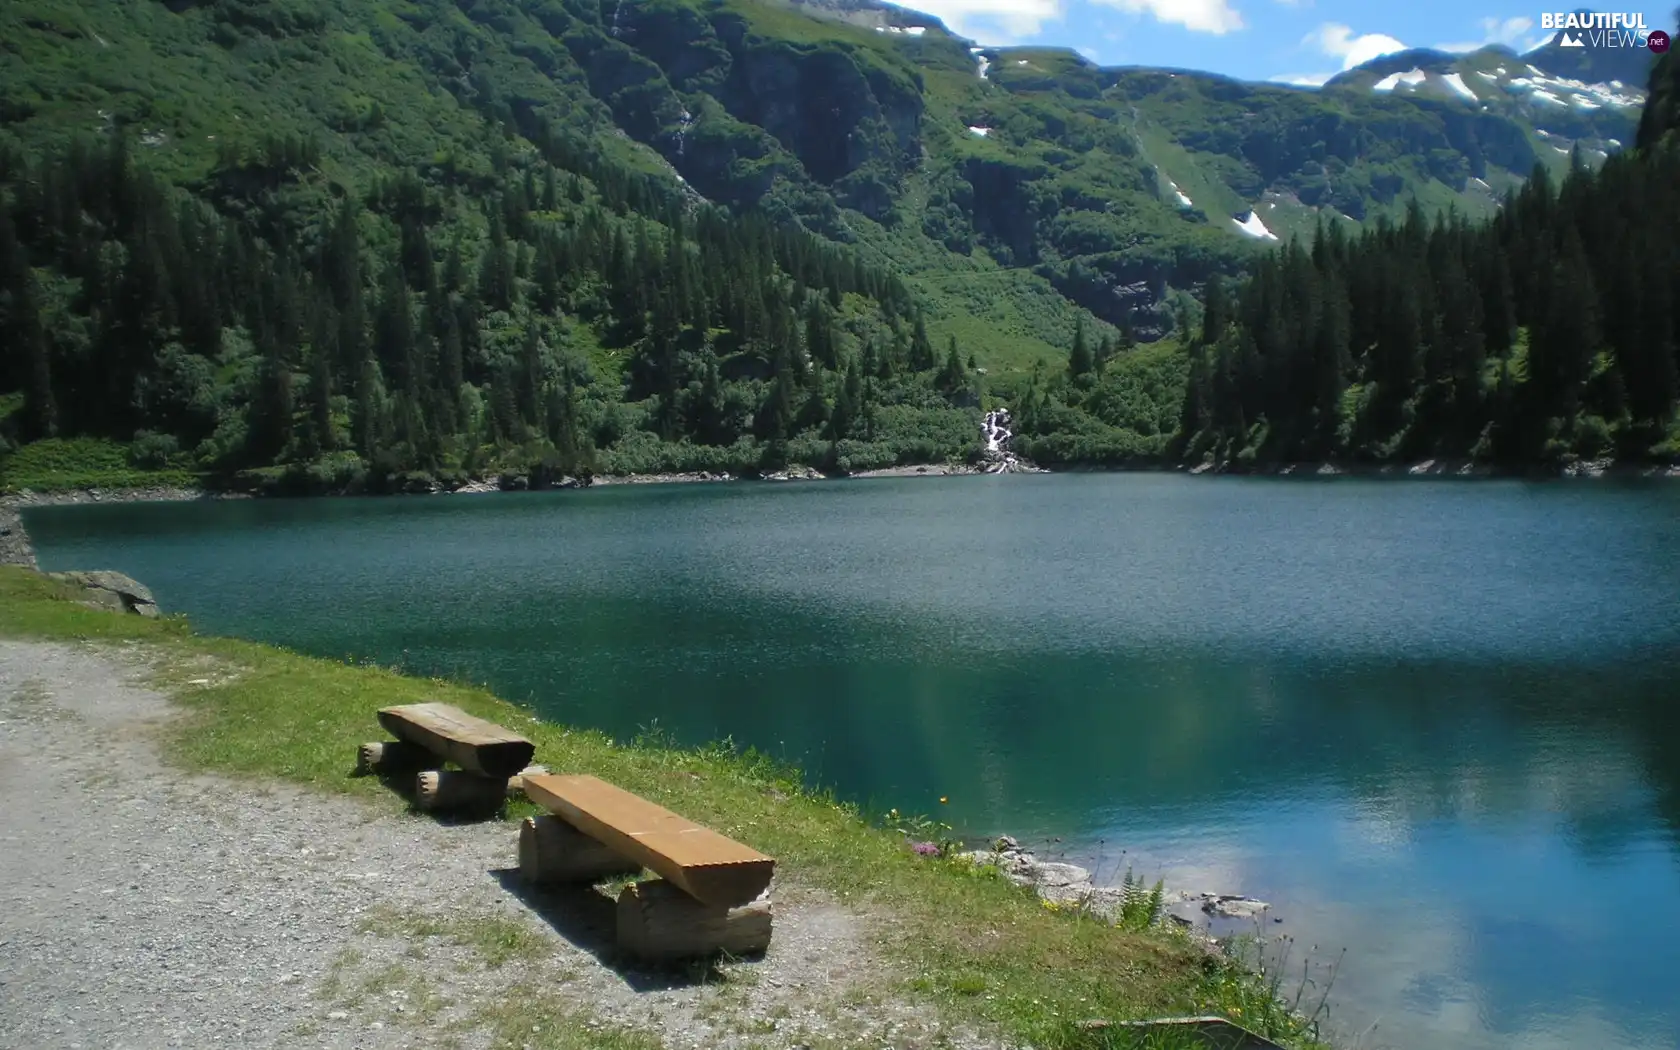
[141, 907]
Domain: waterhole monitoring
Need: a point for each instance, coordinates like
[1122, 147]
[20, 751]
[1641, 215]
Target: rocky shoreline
[1073, 887]
[15, 548]
[1439, 468]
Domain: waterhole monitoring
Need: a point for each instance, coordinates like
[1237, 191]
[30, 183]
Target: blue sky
[1303, 41]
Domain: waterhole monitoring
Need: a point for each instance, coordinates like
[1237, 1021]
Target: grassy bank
[983, 950]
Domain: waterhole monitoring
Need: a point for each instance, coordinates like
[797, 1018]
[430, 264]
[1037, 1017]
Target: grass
[982, 949]
[496, 940]
[58, 465]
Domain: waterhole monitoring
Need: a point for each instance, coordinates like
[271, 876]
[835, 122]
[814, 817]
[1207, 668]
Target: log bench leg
[659, 923]
[552, 851]
[445, 789]
[387, 757]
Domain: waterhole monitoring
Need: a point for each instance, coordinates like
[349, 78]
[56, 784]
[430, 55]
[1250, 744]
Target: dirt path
[141, 907]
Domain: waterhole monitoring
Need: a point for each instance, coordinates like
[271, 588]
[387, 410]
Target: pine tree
[322, 436]
[846, 404]
[1216, 311]
[953, 378]
[921, 357]
[1081, 362]
[496, 269]
[40, 402]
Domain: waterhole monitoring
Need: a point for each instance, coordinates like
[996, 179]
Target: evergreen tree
[1081, 362]
[953, 379]
[25, 323]
[921, 357]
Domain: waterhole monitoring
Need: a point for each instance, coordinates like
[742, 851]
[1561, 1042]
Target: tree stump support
[552, 851]
[657, 922]
[393, 757]
[452, 789]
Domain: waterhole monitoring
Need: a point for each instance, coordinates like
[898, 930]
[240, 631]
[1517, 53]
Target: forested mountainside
[395, 240]
[1545, 334]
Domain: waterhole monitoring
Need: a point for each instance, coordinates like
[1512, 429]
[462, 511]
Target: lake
[1435, 722]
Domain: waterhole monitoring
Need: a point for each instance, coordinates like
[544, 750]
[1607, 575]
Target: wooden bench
[711, 893]
[492, 760]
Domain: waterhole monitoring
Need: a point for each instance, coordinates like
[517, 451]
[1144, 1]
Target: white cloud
[1090, 53]
[1303, 79]
[1338, 41]
[994, 23]
[1199, 16]
[997, 23]
[1511, 32]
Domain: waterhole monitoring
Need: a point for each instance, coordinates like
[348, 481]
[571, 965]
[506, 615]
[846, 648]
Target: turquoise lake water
[1434, 722]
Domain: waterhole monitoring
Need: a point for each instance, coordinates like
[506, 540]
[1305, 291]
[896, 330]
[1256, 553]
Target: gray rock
[104, 589]
[1229, 906]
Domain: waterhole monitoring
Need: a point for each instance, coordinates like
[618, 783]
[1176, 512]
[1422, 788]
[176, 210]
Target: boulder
[1230, 906]
[104, 589]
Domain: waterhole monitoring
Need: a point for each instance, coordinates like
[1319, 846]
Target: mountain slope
[1001, 182]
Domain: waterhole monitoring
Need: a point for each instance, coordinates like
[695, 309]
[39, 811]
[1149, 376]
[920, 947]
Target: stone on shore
[14, 541]
[1069, 884]
[104, 589]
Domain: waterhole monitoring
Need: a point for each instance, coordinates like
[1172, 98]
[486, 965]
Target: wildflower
[926, 849]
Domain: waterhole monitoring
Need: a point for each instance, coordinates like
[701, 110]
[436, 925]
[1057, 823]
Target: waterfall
[618, 12]
[995, 457]
[995, 429]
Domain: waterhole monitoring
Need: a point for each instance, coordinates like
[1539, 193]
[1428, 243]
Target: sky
[1291, 41]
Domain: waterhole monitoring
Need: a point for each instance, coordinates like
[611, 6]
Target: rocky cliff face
[740, 112]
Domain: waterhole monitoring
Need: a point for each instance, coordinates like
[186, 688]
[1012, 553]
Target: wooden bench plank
[471, 743]
[702, 863]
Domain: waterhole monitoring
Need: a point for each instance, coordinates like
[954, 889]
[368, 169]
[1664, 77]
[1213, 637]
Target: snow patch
[902, 30]
[1020, 61]
[1542, 95]
[1583, 103]
[981, 60]
[982, 132]
[1456, 82]
[1597, 95]
[1615, 142]
[1183, 201]
[1485, 75]
[1561, 150]
[1411, 78]
[1543, 133]
[1253, 227]
[1482, 183]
